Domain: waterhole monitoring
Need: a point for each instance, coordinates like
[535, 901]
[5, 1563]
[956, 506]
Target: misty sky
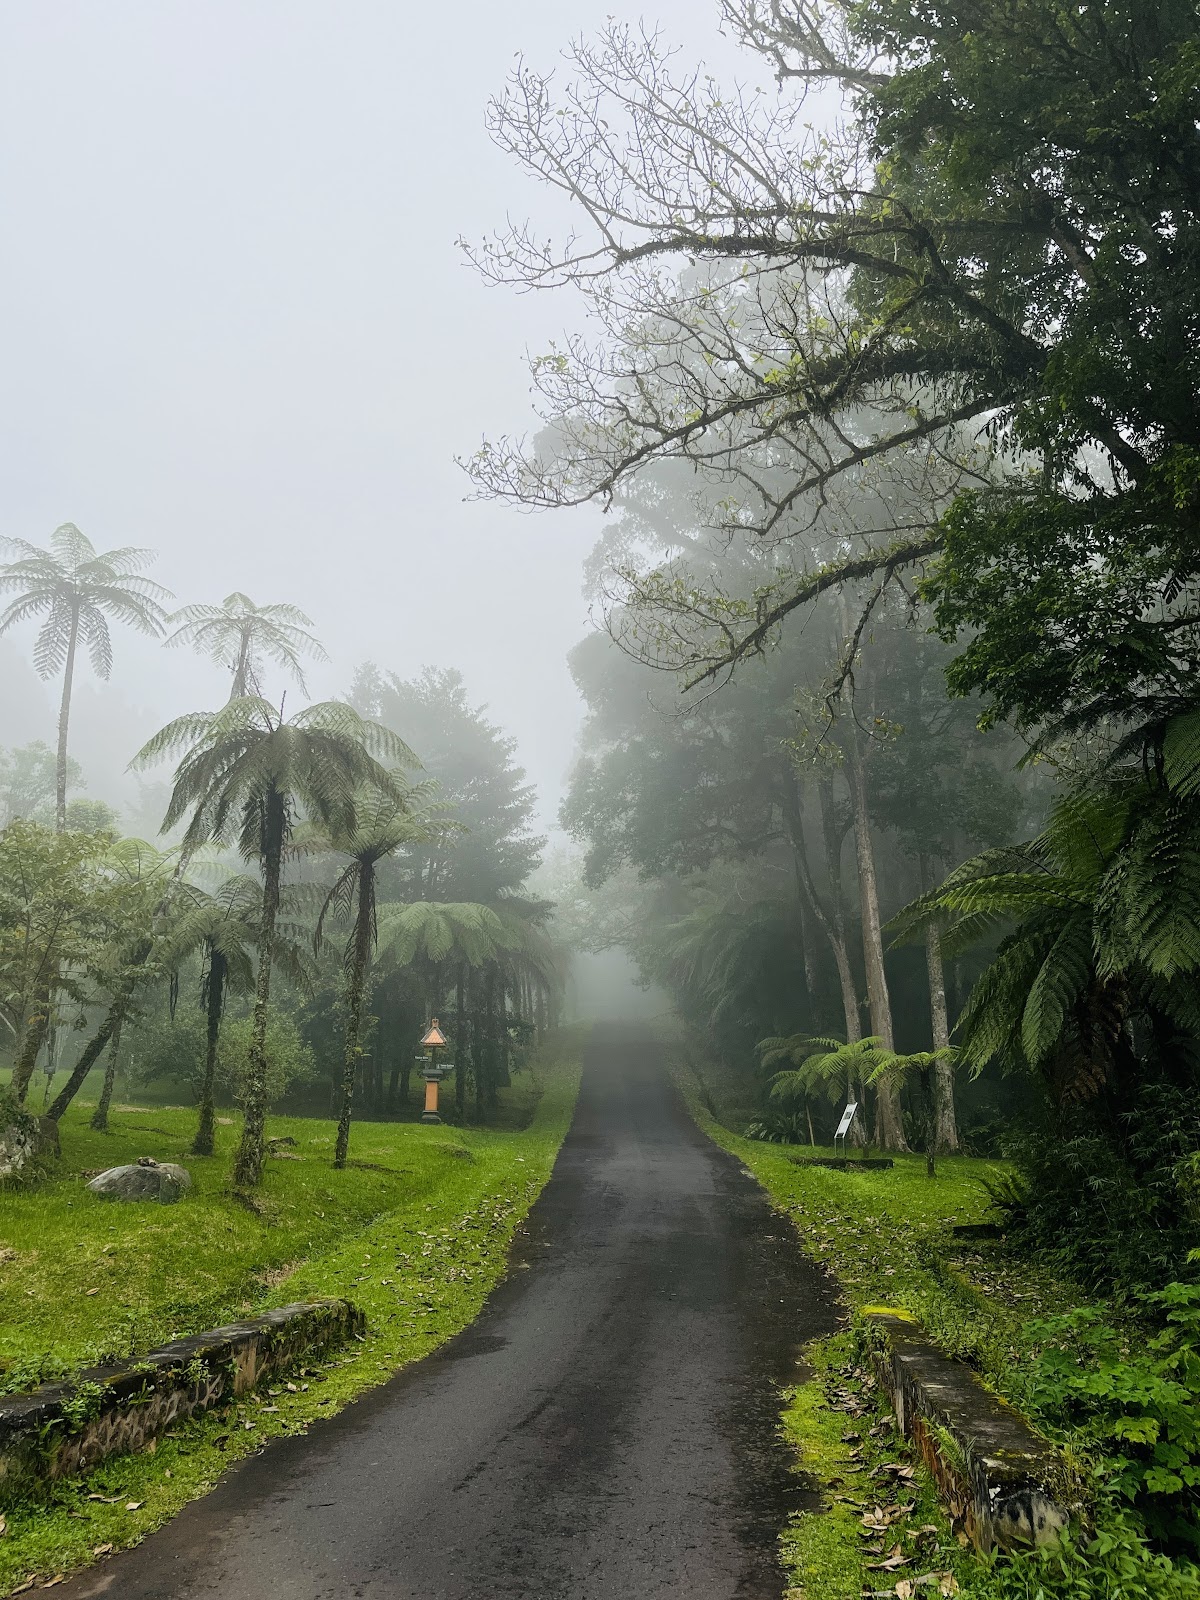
[237, 329]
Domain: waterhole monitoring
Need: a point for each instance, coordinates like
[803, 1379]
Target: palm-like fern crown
[243, 759]
[438, 931]
[383, 821]
[238, 635]
[223, 926]
[1106, 907]
[72, 584]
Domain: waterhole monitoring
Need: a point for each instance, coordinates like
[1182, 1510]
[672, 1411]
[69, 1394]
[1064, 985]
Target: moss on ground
[416, 1231]
[880, 1523]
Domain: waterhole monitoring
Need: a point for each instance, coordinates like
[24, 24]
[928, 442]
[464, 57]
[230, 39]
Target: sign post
[432, 1070]
[843, 1127]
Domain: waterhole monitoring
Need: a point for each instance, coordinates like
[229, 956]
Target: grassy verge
[416, 1231]
[887, 1238]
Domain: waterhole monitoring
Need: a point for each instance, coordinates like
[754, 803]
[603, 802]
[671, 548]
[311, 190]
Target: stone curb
[1004, 1482]
[64, 1428]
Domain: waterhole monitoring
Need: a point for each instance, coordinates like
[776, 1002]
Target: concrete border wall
[1003, 1482]
[65, 1428]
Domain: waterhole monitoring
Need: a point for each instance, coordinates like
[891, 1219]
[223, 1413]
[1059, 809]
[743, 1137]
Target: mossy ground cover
[888, 1239]
[416, 1231]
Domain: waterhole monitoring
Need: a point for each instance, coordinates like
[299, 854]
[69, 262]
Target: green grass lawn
[416, 1231]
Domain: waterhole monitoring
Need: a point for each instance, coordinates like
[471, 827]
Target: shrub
[1136, 1409]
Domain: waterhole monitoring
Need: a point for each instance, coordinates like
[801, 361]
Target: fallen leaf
[3, 1526]
[948, 1585]
[292, 1388]
[904, 1589]
[88, 1295]
[101, 1549]
[894, 1558]
[27, 1584]
[105, 1499]
[59, 1577]
[134, 1505]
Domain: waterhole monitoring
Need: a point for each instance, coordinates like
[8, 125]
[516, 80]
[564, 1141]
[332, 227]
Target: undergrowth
[1118, 1391]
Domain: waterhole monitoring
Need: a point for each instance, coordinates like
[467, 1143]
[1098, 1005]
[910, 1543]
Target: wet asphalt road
[604, 1431]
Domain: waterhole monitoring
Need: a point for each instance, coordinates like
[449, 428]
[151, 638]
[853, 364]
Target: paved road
[604, 1431]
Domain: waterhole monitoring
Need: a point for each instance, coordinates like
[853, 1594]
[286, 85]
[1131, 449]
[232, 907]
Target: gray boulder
[25, 1144]
[147, 1180]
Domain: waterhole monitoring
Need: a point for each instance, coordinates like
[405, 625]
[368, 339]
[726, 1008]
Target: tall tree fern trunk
[460, 1043]
[100, 1115]
[247, 1167]
[64, 717]
[360, 956]
[205, 1141]
[92, 1052]
[945, 1136]
[889, 1122]
[492, 1048]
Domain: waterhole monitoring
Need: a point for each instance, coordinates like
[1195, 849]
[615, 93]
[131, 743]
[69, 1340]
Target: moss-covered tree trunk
[360, 956]
[214, 1005]
[247, 1168]
[64, 717]
[37, 1026]
[100, 1115]
[92, 1052]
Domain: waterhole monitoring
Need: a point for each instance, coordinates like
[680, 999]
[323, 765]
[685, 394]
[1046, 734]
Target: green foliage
[1112, 1199]
[237, 635]
[75, 590]
[1137, 1408]
[320, 760]
[1106, 902]
[27, 783]
[483, 790]
[172, 1048]
[289, 1061]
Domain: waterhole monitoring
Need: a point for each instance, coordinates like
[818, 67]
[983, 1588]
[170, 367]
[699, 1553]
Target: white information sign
[843, 1127]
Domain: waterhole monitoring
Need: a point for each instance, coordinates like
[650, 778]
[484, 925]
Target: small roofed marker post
[432, 1070]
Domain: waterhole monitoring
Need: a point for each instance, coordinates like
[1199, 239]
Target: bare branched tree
[811, 318]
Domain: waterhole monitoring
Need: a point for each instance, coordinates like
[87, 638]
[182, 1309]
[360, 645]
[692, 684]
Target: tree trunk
[247, 1167]
[794, 818]
[889, 1123]
[100, 1115]
[460, 1044]
[504, 1040]
[92, 1052]
[206, 1130]
[493, 1037]
[64, 717]
[944, 1120]
[360, 956]
[37, 1026]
